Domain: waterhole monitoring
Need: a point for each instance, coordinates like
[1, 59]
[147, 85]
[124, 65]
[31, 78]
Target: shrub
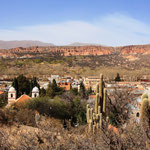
[3, 99]
[58, 108]
[119, 107]
[22, 116]
[53, 89]
[74, 91]
[26, 117]
[117, 79]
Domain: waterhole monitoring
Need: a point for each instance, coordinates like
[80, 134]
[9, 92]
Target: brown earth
[82, 61]
[48, 134]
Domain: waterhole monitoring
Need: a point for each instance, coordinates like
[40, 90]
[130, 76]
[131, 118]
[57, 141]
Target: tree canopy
[3, 99]
[24, 85]
[117, 78]
[82, 91]
[53, 89]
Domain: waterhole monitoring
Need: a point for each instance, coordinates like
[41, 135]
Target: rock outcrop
[36, 51]
[56, 51]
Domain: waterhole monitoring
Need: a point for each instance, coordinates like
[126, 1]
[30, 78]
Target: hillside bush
[11, 115]
[119, 107]
[65, 110]
[53, 89]
[3, 99]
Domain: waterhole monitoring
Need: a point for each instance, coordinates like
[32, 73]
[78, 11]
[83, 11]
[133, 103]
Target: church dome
[35, 89]
[12, 89]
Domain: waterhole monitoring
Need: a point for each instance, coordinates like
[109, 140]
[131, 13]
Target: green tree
[3, 99]
[50, 92]
[22, 85]
[117, 79]
[15, 85]
[53, 89]
[89, 91]
[54, 85]
[74, 91]
[34, 83]
[42, 92]
[82, 90]
[66, 108]
[77, 111]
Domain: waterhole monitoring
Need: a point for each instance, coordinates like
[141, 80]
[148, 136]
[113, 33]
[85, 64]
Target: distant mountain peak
[83, 44]
[23, 43]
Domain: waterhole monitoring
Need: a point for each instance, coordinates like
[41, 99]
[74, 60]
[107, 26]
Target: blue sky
[106, 22]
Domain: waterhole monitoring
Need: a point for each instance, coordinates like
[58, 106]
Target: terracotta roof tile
[1, 92]
[23, 98]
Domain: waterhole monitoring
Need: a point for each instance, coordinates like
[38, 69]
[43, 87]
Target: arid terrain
[73, 50]
[75, 60]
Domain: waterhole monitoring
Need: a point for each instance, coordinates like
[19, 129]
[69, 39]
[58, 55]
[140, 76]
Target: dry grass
[75, 66]
[49, 134]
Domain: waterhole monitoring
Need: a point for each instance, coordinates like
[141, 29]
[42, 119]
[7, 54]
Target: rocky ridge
[74, 51]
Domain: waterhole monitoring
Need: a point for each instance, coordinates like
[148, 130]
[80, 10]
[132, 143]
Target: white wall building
[12, 94]
[35, 92]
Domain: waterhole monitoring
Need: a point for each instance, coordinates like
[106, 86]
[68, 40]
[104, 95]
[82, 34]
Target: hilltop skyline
[59, 22]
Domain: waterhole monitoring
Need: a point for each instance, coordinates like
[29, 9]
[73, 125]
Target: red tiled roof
[1, 92]
[23, 98]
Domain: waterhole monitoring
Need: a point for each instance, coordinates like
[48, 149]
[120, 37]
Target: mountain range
[25, 44]
[30, 43]
[128, 57]
[17, 49]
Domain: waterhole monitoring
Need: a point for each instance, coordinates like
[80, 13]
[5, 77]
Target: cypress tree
[118, 78]
[15, 85]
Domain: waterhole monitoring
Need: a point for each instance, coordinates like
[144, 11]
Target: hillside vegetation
[75, 66]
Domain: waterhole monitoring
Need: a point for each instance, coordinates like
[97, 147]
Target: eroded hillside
[75, 60]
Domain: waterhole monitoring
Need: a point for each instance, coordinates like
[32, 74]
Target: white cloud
[114, 29]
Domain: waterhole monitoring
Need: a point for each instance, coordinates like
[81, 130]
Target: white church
[12, 95]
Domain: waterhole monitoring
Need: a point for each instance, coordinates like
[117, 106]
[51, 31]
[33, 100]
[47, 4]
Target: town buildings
[67, 82]
[12, 95]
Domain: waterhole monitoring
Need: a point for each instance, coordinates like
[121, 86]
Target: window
[138, 114]
[11, 95]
